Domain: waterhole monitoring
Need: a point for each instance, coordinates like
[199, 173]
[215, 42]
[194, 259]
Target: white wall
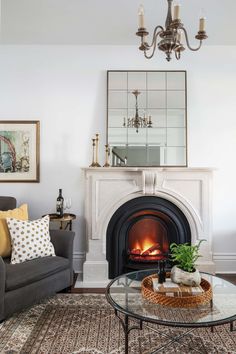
[65, 88]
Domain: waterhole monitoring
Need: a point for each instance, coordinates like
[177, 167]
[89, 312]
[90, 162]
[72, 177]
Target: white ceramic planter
[179, 276]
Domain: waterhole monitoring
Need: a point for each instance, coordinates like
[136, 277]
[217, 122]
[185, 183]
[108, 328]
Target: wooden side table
[65, 221]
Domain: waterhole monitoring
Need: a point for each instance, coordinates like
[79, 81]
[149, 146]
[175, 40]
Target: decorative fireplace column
[109, 188]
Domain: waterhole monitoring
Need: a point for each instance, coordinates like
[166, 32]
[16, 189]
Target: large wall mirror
[146, 118]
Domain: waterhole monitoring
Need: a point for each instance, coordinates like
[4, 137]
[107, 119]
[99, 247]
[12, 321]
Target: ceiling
[106, 22]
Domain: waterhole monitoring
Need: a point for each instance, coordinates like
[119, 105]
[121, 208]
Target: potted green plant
[184, 257]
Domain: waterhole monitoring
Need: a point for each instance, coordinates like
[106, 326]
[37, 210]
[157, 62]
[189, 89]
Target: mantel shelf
[138, 169]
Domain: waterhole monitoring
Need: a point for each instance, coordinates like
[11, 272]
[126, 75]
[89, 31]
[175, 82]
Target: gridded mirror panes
[146, 118]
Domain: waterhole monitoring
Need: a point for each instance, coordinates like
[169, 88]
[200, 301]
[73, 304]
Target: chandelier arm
[153, 52]
[154, 44]
[187, 41]
[155, 34]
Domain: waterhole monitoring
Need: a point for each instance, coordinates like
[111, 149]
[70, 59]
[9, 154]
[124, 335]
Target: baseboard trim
[79, 254]
[78, 260]
[225, 262]
[225, 254]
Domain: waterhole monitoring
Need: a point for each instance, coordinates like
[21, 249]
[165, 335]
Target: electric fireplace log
[153, 248]
[136, 251]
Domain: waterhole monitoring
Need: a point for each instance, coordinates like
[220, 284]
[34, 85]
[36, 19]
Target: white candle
[176, 12]
[202, 22]
[141, 16]
[179, 37]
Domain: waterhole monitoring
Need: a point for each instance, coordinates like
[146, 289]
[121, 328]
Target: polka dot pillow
[29, 239]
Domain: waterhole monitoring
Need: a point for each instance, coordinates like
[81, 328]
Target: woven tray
[185, 301]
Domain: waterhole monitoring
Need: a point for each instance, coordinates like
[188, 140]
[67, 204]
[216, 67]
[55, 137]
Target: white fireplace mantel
[109, 188]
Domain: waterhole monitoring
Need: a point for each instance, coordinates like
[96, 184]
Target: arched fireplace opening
[140, 232]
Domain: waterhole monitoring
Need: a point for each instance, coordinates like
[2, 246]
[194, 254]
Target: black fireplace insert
[140, 232]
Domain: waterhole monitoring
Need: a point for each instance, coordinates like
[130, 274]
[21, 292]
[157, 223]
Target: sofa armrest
[2, 287]
[63, 243]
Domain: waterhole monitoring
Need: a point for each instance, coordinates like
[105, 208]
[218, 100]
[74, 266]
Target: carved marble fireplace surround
[109, 188]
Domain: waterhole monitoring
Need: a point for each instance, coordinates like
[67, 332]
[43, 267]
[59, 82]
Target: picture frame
[19, 150]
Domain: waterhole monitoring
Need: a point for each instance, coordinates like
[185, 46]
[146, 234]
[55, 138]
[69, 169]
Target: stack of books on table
[169, 288]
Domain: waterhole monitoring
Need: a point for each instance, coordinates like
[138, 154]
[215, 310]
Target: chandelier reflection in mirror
[171, 37]
[137, 121]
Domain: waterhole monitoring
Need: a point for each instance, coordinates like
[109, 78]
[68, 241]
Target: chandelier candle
[141, 16]
[179, 37]
[176, 12]
[168, 38]
[202, 22]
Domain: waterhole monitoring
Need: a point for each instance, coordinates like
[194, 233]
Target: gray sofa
[23, 284]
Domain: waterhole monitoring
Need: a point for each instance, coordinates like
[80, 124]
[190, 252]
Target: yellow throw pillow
[20, 213]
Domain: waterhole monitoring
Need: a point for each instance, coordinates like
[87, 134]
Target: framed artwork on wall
[19, 150]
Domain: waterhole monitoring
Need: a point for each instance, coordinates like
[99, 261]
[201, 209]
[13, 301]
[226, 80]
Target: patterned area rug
[73, 323]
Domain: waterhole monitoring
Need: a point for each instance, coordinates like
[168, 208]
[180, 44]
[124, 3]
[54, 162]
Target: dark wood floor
[229, 277]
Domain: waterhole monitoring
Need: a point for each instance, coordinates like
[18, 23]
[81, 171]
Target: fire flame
[144, 245]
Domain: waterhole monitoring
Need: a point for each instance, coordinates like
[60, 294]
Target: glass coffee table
[124, 295]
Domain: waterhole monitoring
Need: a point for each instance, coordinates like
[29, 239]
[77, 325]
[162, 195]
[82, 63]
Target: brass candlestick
[93, 162]
[96, 160]
[107, 164]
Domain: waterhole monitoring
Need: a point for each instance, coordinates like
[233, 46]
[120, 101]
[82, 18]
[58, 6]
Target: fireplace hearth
[140, 232]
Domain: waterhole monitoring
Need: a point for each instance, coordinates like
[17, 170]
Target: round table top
[65, 217]
[124, 294]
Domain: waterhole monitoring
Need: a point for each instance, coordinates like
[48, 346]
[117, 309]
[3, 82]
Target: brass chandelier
[170, 37]
[137, 121]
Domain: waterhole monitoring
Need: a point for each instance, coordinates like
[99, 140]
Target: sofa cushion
[30, 239]
[20, 213]
[19, 275]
